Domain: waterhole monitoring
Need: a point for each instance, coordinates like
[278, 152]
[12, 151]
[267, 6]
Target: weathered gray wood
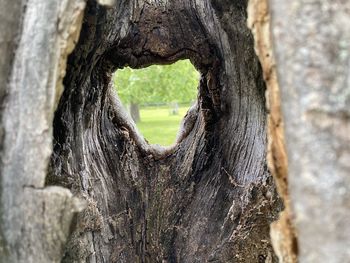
[208, 198]
[35, 220]
[10, 14]
[312, 43]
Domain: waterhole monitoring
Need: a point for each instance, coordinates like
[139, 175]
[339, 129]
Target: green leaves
[176, 82]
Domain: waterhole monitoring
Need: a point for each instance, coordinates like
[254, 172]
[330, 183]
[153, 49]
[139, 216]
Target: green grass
[158, 126]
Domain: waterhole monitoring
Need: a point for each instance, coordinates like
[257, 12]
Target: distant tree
[157, 84]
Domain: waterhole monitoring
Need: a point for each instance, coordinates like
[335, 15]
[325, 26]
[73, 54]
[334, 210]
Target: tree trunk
[209, 198]
[283, 233]
[174, 108]
[313, 55]
[135, 112]
[35, 219]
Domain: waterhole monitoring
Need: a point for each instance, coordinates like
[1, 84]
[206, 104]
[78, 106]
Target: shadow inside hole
[158, 97]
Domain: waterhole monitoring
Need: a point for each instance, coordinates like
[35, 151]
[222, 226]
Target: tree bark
[209, 198]
[283, 233]
[313, 54]
[36, 37]
[9, 13]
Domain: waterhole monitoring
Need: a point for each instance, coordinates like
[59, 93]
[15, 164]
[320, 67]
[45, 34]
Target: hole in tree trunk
[209, 198]
[158, 97]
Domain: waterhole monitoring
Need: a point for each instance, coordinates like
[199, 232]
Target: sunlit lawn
[158, 126]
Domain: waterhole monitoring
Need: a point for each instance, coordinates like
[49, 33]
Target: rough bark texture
[209, 198]
[313, 62]
[35, 220]
[283, 232]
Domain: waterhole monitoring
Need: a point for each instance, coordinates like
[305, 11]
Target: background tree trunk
[312, 48]
[208, 198]
[135, 112]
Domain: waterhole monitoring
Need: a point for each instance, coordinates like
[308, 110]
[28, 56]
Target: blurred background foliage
[158, 83]
[158, 97]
